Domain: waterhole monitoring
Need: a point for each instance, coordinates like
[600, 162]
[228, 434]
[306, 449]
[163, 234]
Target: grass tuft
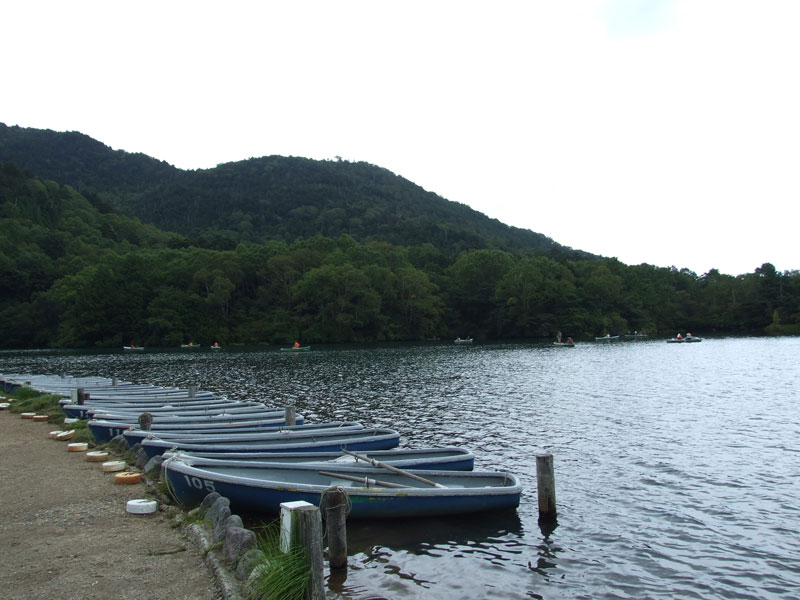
[282, 576]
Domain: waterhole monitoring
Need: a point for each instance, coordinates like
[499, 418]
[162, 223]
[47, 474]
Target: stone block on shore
[237, 542]
[249, 561]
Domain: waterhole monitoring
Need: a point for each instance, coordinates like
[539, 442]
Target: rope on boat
[169, 486]
[336, 488]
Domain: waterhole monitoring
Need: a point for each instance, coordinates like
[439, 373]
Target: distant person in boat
[558, 337]
[569, 340]
[679, 336]
[297, 344]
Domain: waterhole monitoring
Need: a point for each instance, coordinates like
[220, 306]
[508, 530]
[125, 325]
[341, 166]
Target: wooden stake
[546, 486]
[336, 527]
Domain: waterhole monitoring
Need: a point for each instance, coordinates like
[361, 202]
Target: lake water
[677, 465]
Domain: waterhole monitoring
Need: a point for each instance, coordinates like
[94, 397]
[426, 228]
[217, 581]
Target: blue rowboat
[104, 431]
[327, 440]
[372, 493]
[221, 417]
[450, 458]
[83, 411]
[231, 408]
[234, 431]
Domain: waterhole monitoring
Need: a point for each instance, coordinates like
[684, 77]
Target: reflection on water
[676, 465]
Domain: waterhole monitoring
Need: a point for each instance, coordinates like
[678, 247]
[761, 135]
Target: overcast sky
[657, 131]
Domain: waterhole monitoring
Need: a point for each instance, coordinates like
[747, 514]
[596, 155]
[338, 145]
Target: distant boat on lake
[688, 338]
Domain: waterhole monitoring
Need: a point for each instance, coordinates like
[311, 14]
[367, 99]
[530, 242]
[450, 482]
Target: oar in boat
[392, 468]
[365, 480]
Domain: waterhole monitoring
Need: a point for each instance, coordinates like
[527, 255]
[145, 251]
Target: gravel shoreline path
[65, 533]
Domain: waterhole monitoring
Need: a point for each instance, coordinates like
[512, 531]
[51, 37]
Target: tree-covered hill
[269, 198]
[81, 162]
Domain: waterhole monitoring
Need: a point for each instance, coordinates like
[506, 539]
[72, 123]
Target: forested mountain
[81, 162]
[261, 199]
[74, 273]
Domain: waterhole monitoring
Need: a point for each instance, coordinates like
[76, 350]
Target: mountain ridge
[266, 198]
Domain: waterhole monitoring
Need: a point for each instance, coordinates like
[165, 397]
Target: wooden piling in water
[336, 527]
[546, 486]
[290, 415]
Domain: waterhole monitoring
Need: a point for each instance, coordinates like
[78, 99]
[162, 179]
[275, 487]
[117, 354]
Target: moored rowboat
[288, 441]
[372, 493]
[105, 430]
[450, 458]
[233, 431]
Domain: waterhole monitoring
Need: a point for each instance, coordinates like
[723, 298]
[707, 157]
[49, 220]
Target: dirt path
[65, 533]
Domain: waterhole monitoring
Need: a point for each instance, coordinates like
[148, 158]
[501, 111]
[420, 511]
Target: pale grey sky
[658, 131]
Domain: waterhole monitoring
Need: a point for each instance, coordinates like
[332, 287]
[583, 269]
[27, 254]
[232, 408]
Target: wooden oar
[365, 480]
[393, 469]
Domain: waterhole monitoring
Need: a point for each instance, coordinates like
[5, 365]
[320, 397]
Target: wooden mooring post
[336, 527]
[546, 486]
[290, 416]
[301, 525]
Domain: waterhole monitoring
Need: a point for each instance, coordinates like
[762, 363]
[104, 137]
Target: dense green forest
[74, 273]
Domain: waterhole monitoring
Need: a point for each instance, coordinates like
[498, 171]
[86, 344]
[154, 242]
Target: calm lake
[677, 465]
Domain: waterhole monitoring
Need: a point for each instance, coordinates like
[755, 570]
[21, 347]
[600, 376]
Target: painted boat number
[199, 484]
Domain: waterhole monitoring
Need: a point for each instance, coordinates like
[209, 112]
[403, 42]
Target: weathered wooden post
[114, 381]
[290, 417]
[301, 525]
[145, 421]
[336, 527]
[546, 486]
[81, 396]
[192, 391]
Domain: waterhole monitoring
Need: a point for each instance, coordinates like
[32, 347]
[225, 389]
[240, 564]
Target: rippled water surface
[677, 465]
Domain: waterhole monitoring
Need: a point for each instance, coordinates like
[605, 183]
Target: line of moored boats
[247, 452]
